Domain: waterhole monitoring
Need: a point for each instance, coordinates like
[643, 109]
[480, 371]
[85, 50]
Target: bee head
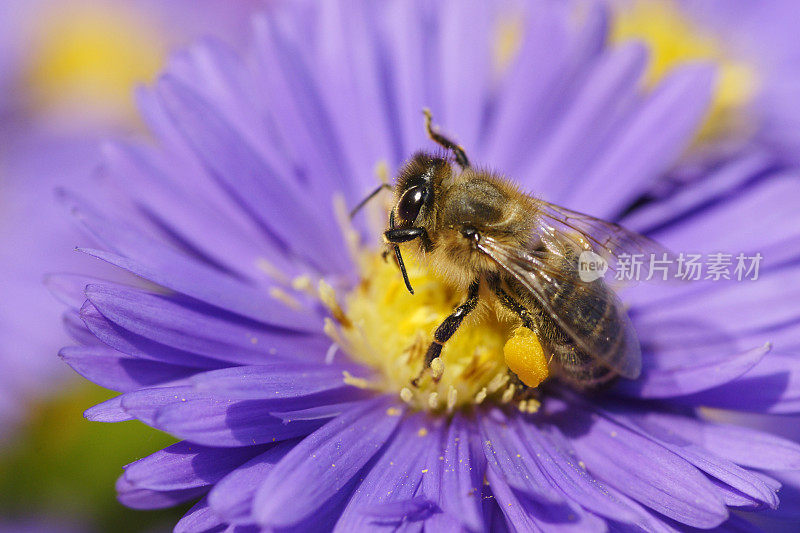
[413, 213]
[417, 184]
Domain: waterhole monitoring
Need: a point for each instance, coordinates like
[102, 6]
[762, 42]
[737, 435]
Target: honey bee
[519, 254]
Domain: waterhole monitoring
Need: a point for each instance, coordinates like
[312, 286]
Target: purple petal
[612, 82]
[305, 112]
[431, 489]
[137, 346]
[414, 509]
[742, 445]
[77, 330]
[108, 411]
[551, 453]
[138, 498]
[232, 497]
[790, 496]
[434, 520]
[735, 482]
[501, 446]
[415, 50]
[107, 368]
[187, 217]
[744, 500]
[718, 305]
[524, 514]
[177, 272]
[493, 516]
[215, 70]
[169, 268]
[690, 200]
[774, 197]
[69, 288]
[772, 386]
[189, 328]
[648, 520]
[277, 381]
[229, 423]
[316, 412]
[351, 35]
[387, 491]
[642, 469]
[465, 66]
[201, 418]
[462, 474]
[639, 154]
[685, 380]
[550, 67]
[186, 465]
[188, 173]
[144, 404]
[200, 518]
[247, 177]
[323, 463]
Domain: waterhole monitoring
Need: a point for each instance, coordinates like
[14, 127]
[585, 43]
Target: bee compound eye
[411, 203]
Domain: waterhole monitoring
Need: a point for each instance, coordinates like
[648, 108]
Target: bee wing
[588, 312]
[621, 248]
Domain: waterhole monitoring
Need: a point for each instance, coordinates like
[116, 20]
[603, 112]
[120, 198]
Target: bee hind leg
[522, 391]
[512, 305]
[448, 327]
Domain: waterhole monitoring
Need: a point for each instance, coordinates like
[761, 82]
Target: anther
[437, 369]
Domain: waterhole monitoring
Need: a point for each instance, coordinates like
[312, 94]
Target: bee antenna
[458, 151]
[369, 197]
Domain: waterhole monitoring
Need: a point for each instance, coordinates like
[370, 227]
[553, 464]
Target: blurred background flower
[67, 74]
[755, 47]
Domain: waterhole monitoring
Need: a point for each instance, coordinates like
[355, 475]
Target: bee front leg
[447, 328]
[394, 236]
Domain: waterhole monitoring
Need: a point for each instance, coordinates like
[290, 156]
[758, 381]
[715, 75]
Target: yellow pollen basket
[525, 357]
[384, 327]
[88, 58]
[674, 39]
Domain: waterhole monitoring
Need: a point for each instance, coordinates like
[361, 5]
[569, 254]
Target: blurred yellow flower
[674, 39]
[87, 57]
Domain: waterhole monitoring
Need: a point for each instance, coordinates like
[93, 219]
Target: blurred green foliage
[63, 467]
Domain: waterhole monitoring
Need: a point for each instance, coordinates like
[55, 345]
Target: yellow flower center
[674, 39]
[88, 58]
[384, 327]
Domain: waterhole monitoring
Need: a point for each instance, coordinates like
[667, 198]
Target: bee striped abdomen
[597, 320]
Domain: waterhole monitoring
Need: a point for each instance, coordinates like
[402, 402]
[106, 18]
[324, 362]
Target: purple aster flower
[277, 344]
